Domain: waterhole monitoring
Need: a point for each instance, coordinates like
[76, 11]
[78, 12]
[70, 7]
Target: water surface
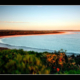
[69, 42]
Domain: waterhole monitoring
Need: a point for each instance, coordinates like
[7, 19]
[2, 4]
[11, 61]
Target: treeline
[23, 32]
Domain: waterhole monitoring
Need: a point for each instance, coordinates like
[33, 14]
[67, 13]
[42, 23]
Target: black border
[40, 2]
[37, 77]
[32, 2]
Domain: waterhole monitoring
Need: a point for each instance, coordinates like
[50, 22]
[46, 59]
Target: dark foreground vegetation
[29, 62]
[26, 32]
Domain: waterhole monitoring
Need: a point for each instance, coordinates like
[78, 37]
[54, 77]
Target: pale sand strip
[37, 34]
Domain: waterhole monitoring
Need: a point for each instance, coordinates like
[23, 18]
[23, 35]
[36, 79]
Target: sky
[39, 17]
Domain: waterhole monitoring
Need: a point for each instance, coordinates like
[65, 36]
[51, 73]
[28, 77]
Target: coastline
[37, 34]
[6, 46]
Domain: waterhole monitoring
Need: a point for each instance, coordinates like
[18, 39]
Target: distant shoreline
[30, 32]
[6, 36]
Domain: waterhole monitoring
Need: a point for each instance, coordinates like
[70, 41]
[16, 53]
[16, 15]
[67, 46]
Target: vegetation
[29, 62]
[26, 32]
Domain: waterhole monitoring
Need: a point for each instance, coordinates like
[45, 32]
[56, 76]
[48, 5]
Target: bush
[29, 62]
[21, 62]
[72, 72]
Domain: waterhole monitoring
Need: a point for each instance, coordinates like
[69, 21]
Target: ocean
[41, 43]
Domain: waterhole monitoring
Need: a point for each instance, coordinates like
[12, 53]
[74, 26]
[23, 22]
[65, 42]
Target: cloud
[12, 22]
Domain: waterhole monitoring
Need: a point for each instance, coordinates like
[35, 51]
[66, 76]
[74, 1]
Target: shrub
[30, 62]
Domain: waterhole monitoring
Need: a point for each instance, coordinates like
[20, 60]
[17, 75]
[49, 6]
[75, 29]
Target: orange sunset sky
[40, 17]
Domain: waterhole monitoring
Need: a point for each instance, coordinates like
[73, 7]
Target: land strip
[28, 32]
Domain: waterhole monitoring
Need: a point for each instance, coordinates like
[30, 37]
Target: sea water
[69, 42]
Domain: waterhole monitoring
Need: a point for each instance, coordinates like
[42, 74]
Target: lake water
[41, 43]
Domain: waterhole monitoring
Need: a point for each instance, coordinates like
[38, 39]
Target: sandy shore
[37, 34]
